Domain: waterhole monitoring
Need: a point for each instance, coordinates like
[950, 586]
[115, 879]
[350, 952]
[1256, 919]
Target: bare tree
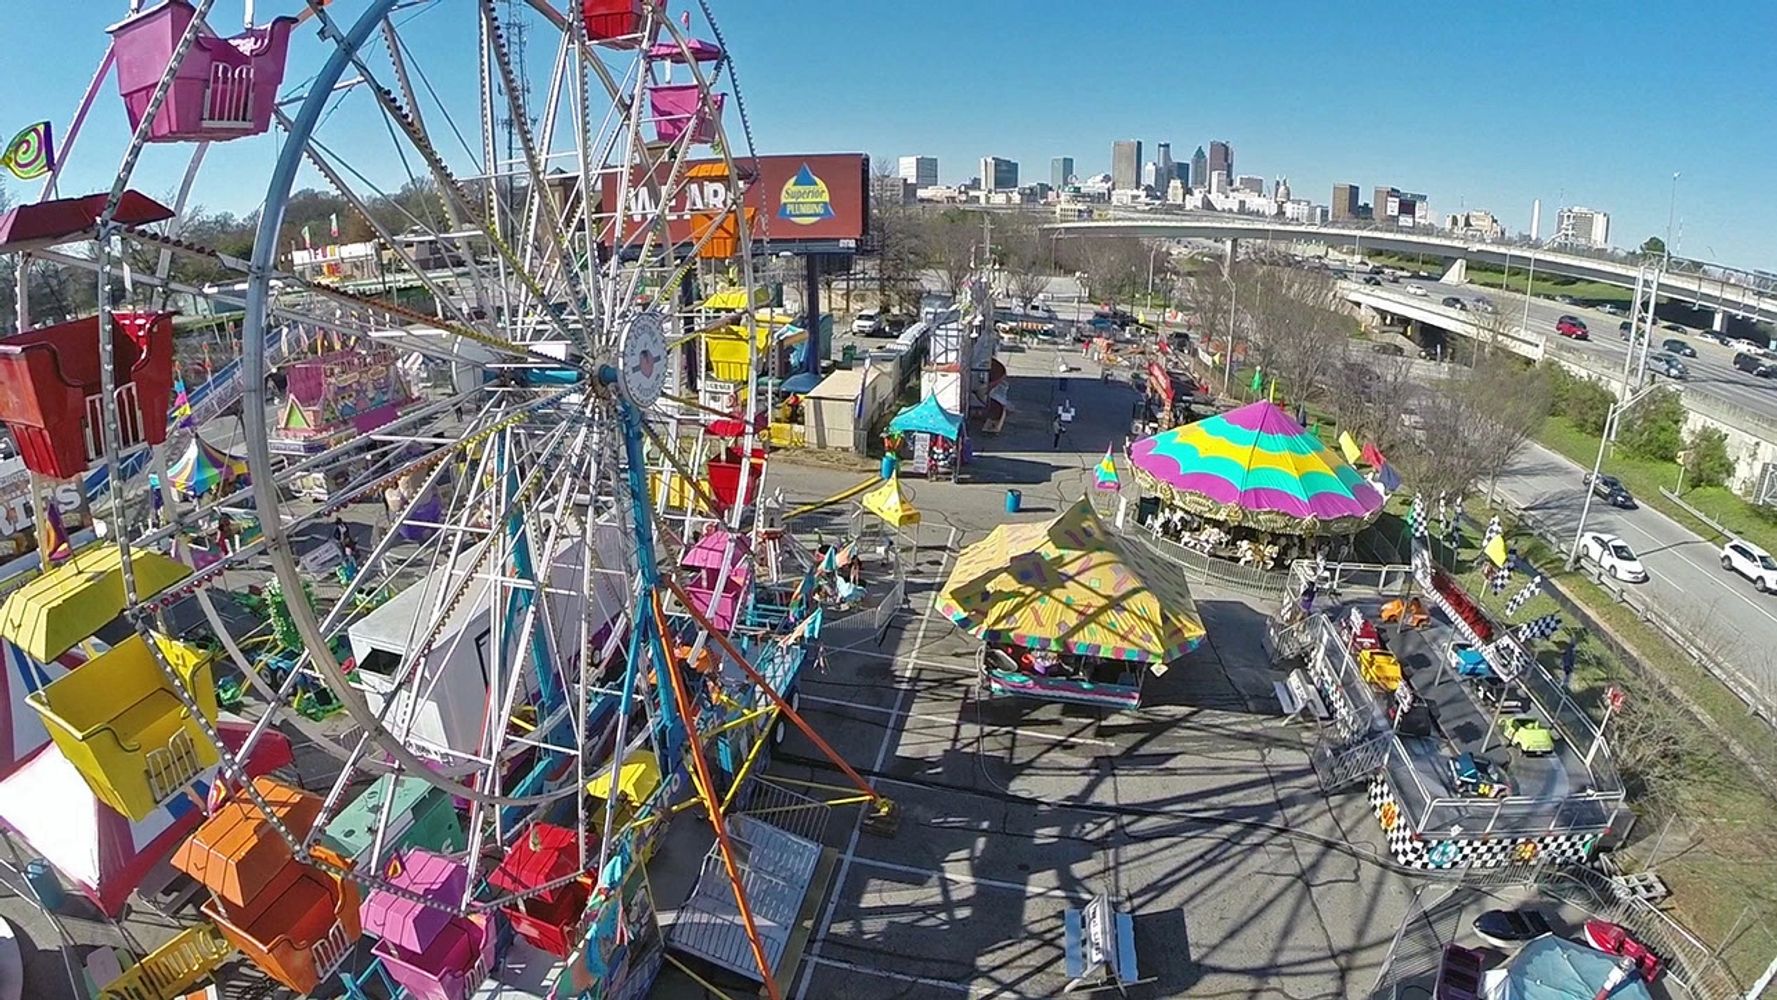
[1115, 267]
[1503, 402]
[1298, 335]
[895, 232]
[947, 248]
[1024, 256]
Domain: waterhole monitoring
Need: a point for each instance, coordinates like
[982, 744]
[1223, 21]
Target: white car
[867, 323]
[1415, 290]
[1614, 557]
[1751, 562]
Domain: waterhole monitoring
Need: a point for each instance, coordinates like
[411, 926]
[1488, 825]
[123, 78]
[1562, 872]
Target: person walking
[1568, 656]
[1057, 426]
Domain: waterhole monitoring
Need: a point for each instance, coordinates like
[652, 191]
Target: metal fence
[1688, 959]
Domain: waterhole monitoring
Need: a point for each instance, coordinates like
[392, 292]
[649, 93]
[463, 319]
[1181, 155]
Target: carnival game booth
[1250, 485]
[1422, 727]
[931, 439]
[1066, 611]
[332, 398]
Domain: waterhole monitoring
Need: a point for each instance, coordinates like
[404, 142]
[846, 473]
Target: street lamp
[1671, 210]
[1151, 252]
[1610, 419]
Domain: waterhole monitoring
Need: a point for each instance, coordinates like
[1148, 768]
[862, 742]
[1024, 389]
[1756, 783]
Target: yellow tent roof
[1069, 584]
[736, 298]
[891, 503]
[636, 779]
[58, 610]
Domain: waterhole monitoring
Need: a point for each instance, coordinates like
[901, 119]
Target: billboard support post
[811, 310]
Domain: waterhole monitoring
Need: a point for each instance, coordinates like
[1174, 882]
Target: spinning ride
[561, 475]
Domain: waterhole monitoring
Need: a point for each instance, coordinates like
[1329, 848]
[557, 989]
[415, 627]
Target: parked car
[1494, 693]
[1478, 777]
[1572, 326]
[1566, 300]
[867, 324]
[1611, 309]
[1675, 328]
[1452, 302]
[1484, 304]
[1679, 347]
[897, 323]
[1754, 365]
[1669, 366]
[1509, 927]
[1751, 562]
[1528, 735]
[1613, 557]
[1611, 490]
[1416, 290]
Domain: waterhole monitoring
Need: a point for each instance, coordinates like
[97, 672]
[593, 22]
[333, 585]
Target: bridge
[1702, 290]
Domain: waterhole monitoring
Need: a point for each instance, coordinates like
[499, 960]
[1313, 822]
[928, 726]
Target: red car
[1612, 939]
[1572, 326]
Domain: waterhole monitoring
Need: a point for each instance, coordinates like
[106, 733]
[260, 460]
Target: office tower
[1125, 164]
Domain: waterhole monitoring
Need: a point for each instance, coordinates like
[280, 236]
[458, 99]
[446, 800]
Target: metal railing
[1688, 959]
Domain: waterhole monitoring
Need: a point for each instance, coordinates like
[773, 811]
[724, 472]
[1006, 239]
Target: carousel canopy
[891, 503]
[1070, 585]
[203, 467]
[928, 416]
[1255, 466]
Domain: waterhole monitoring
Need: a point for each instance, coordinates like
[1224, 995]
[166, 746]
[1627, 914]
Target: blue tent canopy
[1552, 968]
[927, 416]
[800, 382]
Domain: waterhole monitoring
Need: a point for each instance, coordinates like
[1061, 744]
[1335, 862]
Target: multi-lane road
[1720, 611]
[1712, 371]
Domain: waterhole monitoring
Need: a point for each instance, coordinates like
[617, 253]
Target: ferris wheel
[487, 540]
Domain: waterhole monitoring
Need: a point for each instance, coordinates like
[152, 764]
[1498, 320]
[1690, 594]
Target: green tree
[1587, 404]
[1655, 429]
[1706, 459]
[1653, 246]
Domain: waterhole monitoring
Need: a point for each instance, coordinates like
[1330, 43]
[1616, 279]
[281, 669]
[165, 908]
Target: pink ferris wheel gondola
[225, 87]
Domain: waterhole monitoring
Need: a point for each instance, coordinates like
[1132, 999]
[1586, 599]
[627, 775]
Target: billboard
[814, 198]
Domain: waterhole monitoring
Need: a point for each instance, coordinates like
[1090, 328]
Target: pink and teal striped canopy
[1255, 466]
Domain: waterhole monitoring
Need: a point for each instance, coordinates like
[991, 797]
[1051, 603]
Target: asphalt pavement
[1719, 610]
[1712, 371]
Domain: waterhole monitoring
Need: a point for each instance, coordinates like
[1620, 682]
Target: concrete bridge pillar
[1720, 321]
[1231, 254]
[1458, 273]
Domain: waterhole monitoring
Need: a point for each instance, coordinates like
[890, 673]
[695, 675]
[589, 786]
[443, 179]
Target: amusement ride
[393, 749]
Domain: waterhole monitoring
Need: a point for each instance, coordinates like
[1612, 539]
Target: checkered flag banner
[1497, 578]
[1538, 629]
[1456, 511]
[1443, 516]
[1494, 530]
[1530, 590]
[1416, 516]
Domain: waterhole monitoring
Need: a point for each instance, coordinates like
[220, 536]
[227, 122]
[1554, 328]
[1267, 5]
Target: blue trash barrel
[42, 880]
[888, 465]
[1014, 499]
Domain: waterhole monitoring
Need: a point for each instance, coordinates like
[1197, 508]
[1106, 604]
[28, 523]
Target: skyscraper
[1344, 202]
[1583, 227]
[1061, 172]
[1247, 182]
[1125, 164]
[1185, 175]
[998, 174]
[1167, 169]
[921, 170]
[1199, 169]
[1221, 160]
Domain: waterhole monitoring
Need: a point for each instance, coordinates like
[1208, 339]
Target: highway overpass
[1708, 292]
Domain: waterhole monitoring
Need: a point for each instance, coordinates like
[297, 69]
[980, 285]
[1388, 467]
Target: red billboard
[791, 199]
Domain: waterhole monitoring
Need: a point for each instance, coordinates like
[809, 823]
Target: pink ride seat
[224, 89]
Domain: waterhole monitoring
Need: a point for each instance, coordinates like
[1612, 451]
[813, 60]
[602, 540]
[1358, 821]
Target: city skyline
[1573, 126]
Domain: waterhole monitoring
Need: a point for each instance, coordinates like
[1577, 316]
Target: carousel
[1067, 612]
[1252, 486]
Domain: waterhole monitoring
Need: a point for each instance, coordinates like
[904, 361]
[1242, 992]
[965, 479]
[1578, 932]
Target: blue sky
[1476, 105]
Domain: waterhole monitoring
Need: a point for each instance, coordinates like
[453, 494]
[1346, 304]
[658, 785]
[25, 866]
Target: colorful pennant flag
[1348, 445]
[181, 404]
[1372, 455]
[52, 538]
[1390, 479]
[1258, 382]
[308, 242]
[32, 153]
[1105, 473]
[333, 225]
[1495, 546]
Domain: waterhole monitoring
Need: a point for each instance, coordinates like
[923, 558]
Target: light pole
[1610, 419]
[1151, 252]
[1671, 210]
